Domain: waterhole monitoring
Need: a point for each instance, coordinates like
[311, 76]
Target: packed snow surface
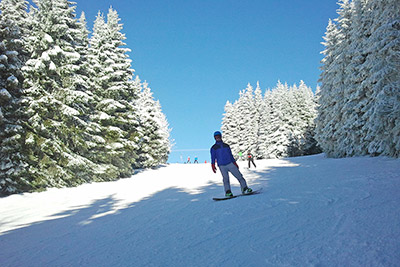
[313, 211]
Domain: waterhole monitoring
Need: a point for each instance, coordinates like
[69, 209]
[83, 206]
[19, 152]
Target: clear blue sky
[197, 54]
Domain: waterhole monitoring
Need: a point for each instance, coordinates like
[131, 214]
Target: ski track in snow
[313, 211]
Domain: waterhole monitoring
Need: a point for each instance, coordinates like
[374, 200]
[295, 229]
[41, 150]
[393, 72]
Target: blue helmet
[217, 133]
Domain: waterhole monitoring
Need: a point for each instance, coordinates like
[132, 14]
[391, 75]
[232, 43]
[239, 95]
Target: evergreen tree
[333, 138]
[259, 108]
[248, 117]
[229, 126]
[164, 134]
[265, 126]
[328, 102]
[154, 146]
[236, 137]
[68, 104]
[279, 125]
[304, 120]
[116, 94]
[356, 91]
[56, 99]
[14, 25]
[358, 102]
[280, 137]
[342, 135]
[241, 123]
[383, 119]
[94, 137]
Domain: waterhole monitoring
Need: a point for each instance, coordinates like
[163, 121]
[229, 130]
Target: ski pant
[252, 161]
[231, 168]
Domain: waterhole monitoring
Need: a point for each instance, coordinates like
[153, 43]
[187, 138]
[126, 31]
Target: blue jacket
[222, 153]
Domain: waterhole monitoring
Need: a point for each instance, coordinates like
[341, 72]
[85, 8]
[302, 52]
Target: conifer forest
[354, 112]
[73, 111]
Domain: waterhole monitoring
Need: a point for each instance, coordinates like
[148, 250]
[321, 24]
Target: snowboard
[255, 192]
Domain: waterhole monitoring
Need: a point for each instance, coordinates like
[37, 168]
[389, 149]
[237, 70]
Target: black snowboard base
[255, 192]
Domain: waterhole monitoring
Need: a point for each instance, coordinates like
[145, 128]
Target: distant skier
[188, 161]
[222, 153]
[250, 159]
[195, 160]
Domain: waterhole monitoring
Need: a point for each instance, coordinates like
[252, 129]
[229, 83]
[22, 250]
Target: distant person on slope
[250, 159]
[222, 153]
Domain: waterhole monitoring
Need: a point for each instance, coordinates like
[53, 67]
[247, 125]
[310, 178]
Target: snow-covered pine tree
[328, 102]
[361, 69]
[95, 142]
[293, 123]
[82, 47]
[237, 135]
[56, 99]
[383, 120]
[237, 122]
[164, 133]
[100, 150]
[343, 135]
[336, 142]
[249, 121]
[279, 125]
[116, 93]
[154, 145]
[231, 126]
[82, 36]
[265, 126]
[14, 26]
[228, 125]
[355, 91]
[280, 137]
[304, 115]
[259, 108]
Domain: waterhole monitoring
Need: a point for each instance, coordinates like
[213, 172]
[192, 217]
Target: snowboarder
[188, 161]
[196, 160]
[222, 153]
[250, 159]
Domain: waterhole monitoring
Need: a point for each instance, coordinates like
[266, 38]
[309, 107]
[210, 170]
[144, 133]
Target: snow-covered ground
[313, 211]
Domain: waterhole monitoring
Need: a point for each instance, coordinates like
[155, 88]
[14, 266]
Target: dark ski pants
[231, 168]
[252, 161]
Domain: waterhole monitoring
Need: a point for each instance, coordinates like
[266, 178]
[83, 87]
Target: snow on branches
[359, 103]
[76, 117]
[280, 124]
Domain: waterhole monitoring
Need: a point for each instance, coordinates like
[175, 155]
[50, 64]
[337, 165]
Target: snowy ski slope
[313, 211]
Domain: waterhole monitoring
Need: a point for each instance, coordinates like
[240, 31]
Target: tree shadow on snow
[152, 231]
[163, 229]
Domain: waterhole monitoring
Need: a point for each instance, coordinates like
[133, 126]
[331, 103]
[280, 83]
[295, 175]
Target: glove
[236, 164]
[213, 168]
